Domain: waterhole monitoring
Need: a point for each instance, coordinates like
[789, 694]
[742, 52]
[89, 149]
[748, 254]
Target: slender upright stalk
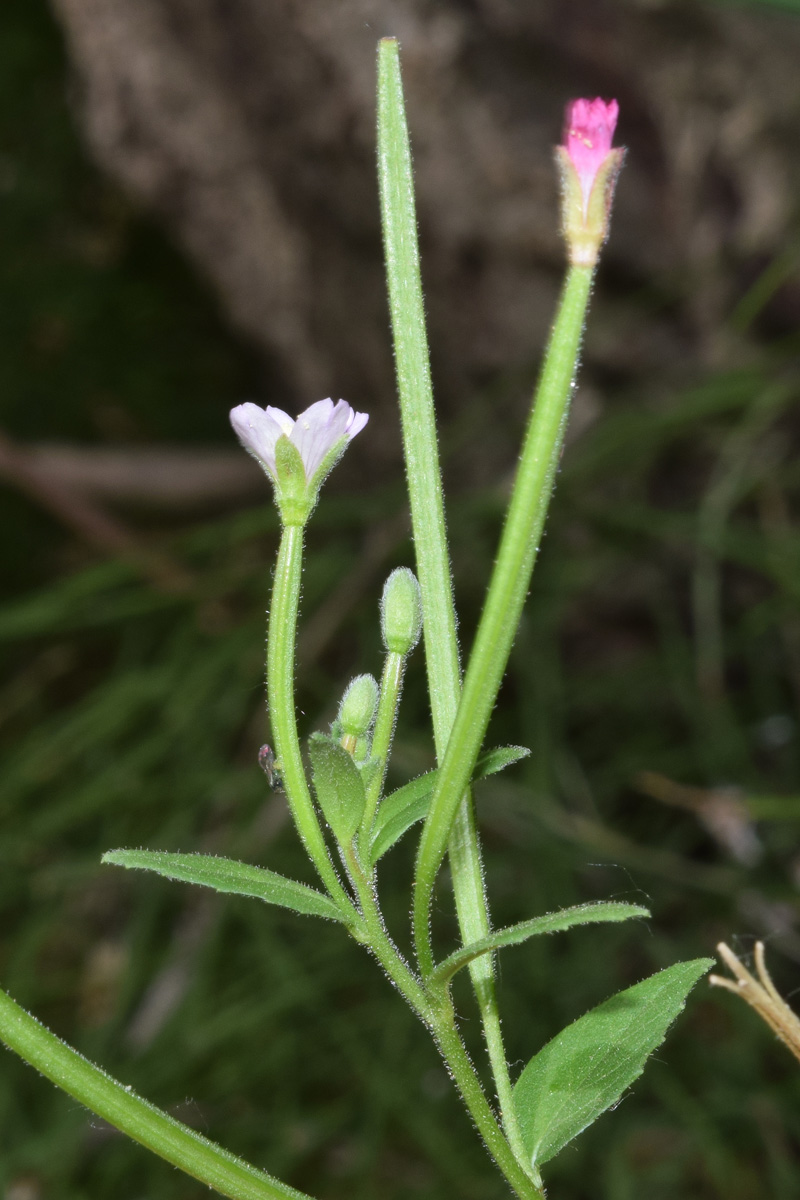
[280, 692]
[391, 685]
[519, 547]
[436, 1011]
[427, 514]
[140, 1120]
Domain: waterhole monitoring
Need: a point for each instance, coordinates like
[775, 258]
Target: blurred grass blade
[409, 804]
[586, 1068]
[227, 875]
[140, 1120]
[581, 914]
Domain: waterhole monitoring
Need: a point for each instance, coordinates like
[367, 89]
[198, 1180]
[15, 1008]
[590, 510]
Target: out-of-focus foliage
[661, 636]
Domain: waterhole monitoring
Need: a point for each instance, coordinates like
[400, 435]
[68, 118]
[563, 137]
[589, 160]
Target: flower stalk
[281, 639]
[519, 547]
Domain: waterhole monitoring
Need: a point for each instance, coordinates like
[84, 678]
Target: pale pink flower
[315, 432]
[588, 131]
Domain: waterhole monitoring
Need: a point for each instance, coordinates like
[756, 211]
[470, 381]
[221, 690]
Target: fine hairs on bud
[401, 612]
[358, 705]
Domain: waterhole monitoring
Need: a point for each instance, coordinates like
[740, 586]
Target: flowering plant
[345, 819]
[589, 169]
[297, 455]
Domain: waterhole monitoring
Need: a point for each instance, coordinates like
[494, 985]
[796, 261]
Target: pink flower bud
[588, 130]
[589, 168]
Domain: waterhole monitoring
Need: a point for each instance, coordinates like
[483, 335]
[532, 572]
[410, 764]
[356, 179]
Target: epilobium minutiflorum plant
[343, 816]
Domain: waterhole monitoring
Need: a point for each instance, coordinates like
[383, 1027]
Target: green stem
[391, 686]
[519, 546]
[436, 1011]
[140, 1120]
[513, 1168]
[430, 539]
[280, 691]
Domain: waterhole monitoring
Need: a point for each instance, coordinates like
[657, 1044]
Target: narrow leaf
[409, 804]
[399, 812]
[226, 875]
[581, 914]
[586, 1068]
[497, 760]
[339, 786]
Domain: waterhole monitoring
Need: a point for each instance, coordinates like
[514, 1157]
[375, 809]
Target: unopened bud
[589, 168]
[401, 612]
[357, 708]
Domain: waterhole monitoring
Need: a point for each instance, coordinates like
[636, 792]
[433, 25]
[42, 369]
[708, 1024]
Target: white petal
[356, 423]
[258, 431]
[314, 436]
[284, 420]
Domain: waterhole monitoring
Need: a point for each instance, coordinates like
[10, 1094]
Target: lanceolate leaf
[409, 804]
[399, 812]
[339, 786]
[226, 875]
[587, 1067]
[497, 760]
[581, 914]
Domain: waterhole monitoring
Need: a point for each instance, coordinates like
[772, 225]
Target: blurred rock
[249, 127]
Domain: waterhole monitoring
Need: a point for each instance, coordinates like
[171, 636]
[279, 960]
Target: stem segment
[280, 690]
[430, 539]
[391, 686]
[519, 546]
[436, 1011]
[140, 1120]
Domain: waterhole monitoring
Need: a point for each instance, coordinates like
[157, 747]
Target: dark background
[188, 219]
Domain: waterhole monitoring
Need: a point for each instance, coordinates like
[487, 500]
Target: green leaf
[399, 812]
[409, 804]
[226, 875]
[587, 1067]
[581, 914]
[497, 760]
[339, 787]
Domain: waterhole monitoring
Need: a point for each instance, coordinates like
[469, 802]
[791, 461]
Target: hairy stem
[436, 1011]
[430, 539]
[391, 686]
[140, 1120]
[519, 546]
[280, 691]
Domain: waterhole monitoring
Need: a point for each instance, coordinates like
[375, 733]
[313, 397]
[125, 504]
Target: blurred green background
[656, 677]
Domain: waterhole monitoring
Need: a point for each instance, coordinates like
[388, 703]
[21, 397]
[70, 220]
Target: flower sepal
[297, 455]
[326, 466]
[291, 489]
[585, 224]
[589, 167]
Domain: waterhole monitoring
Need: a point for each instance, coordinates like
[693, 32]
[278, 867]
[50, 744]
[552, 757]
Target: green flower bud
[401, 612]
[357, 707]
